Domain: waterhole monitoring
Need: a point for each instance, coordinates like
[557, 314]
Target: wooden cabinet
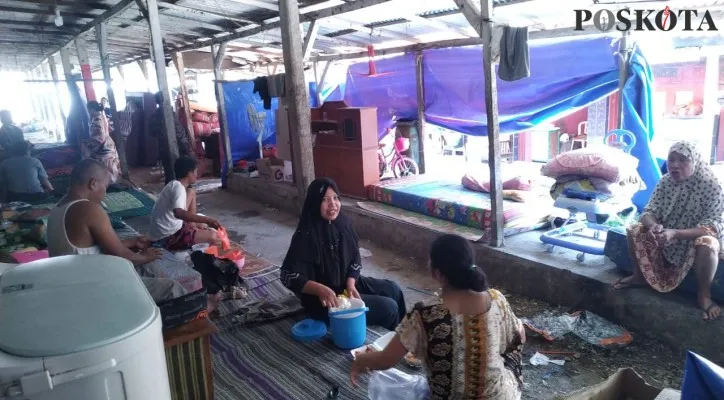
[346, 146]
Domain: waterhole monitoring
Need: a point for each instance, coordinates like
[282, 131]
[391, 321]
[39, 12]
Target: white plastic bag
[394, 384]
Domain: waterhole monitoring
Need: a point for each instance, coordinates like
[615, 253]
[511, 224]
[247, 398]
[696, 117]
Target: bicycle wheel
[405, 166]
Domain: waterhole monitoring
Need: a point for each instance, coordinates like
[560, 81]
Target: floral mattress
[450, 201]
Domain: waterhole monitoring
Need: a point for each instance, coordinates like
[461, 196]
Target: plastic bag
[394, 384]
[224, 238]
[586, 325]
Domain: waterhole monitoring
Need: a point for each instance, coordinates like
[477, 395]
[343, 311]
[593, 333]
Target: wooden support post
[178, 61]
[54, 76]
[51, 97]
[296, 92]
[102, 39]
[67, 66]
[144, 70]
[169, 124]
[421, 134]
[85, 69]
[622, 75]
[228, 163]
[320, 84]
[67, 71]
[309, 40]
[119, 68]
[42, 98]
[491, 111]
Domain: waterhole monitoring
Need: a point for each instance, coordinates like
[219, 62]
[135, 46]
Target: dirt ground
[266, 231]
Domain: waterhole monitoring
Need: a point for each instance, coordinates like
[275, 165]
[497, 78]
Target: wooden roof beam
[36, 23]
[68, 3]
[259, 4]
[121, 6]
[274, 23]
[35, 11]
[203, 12]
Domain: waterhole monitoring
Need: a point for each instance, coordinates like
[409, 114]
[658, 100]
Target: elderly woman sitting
[681, 227]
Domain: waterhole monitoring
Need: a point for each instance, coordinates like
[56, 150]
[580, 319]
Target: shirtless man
[79, 225]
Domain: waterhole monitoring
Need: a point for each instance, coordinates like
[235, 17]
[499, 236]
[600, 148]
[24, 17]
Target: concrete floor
[266, 231]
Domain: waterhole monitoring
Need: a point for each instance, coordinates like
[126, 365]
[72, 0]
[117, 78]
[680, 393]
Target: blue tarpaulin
[566, 74]
[242, 138]
[703, 380]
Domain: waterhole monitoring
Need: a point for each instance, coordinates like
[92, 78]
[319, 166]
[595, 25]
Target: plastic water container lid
[309, 330]
[69, 304]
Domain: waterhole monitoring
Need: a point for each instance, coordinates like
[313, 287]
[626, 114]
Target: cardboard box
[624, 384]
[271, 169]
[288, 176]
[283, 138]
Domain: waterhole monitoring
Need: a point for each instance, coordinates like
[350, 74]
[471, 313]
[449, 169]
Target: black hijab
[326, 248]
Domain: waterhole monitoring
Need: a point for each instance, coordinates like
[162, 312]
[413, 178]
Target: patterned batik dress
[696, 202]
[467, 356]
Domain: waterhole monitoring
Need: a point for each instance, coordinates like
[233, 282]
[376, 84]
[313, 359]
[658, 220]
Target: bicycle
[399, 164]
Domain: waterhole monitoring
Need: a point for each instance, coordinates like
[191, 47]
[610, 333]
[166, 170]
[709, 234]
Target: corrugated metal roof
[28, 34]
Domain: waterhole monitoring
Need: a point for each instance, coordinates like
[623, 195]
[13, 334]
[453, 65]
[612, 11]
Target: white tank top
[58, 242]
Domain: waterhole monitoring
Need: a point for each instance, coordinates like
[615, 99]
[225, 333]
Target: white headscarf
[697, 201]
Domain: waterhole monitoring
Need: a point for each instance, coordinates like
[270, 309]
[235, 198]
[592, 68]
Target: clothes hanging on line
[262, 87]
[277, 86]
[514, 54]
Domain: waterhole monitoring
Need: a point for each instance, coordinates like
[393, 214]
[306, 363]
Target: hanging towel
[514, 55]
[276, 85]
[261, 86]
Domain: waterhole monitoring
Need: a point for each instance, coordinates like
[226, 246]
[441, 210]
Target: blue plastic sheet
[566, 74]
[638, 118]
[237, 96]
[703, 380]
[242, 138]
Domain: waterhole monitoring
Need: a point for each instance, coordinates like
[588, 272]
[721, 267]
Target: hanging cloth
[277, 86]
[261, 86]
[514, 54]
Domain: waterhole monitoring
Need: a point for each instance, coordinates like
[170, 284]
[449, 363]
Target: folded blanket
[591, 188]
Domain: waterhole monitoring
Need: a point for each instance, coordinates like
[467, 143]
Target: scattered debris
[586, 325]
[364, 253]
[541, 359]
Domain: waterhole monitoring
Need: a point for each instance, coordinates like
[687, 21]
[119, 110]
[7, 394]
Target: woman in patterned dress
[100, 146]
[469, 338]
[681, 228]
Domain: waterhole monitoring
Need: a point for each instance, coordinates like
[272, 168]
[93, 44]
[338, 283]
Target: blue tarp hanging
[638, 118]
[242, 138]
[566, 74]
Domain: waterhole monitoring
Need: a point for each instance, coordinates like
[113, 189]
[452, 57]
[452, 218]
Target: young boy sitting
[22, 177]
[174, 220]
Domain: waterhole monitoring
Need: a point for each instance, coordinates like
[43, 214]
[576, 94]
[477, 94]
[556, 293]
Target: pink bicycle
[400, 165]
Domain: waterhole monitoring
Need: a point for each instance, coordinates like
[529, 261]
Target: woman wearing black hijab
[323, 261]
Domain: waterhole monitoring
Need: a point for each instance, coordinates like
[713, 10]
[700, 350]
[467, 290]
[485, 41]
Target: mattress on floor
[450, 201]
